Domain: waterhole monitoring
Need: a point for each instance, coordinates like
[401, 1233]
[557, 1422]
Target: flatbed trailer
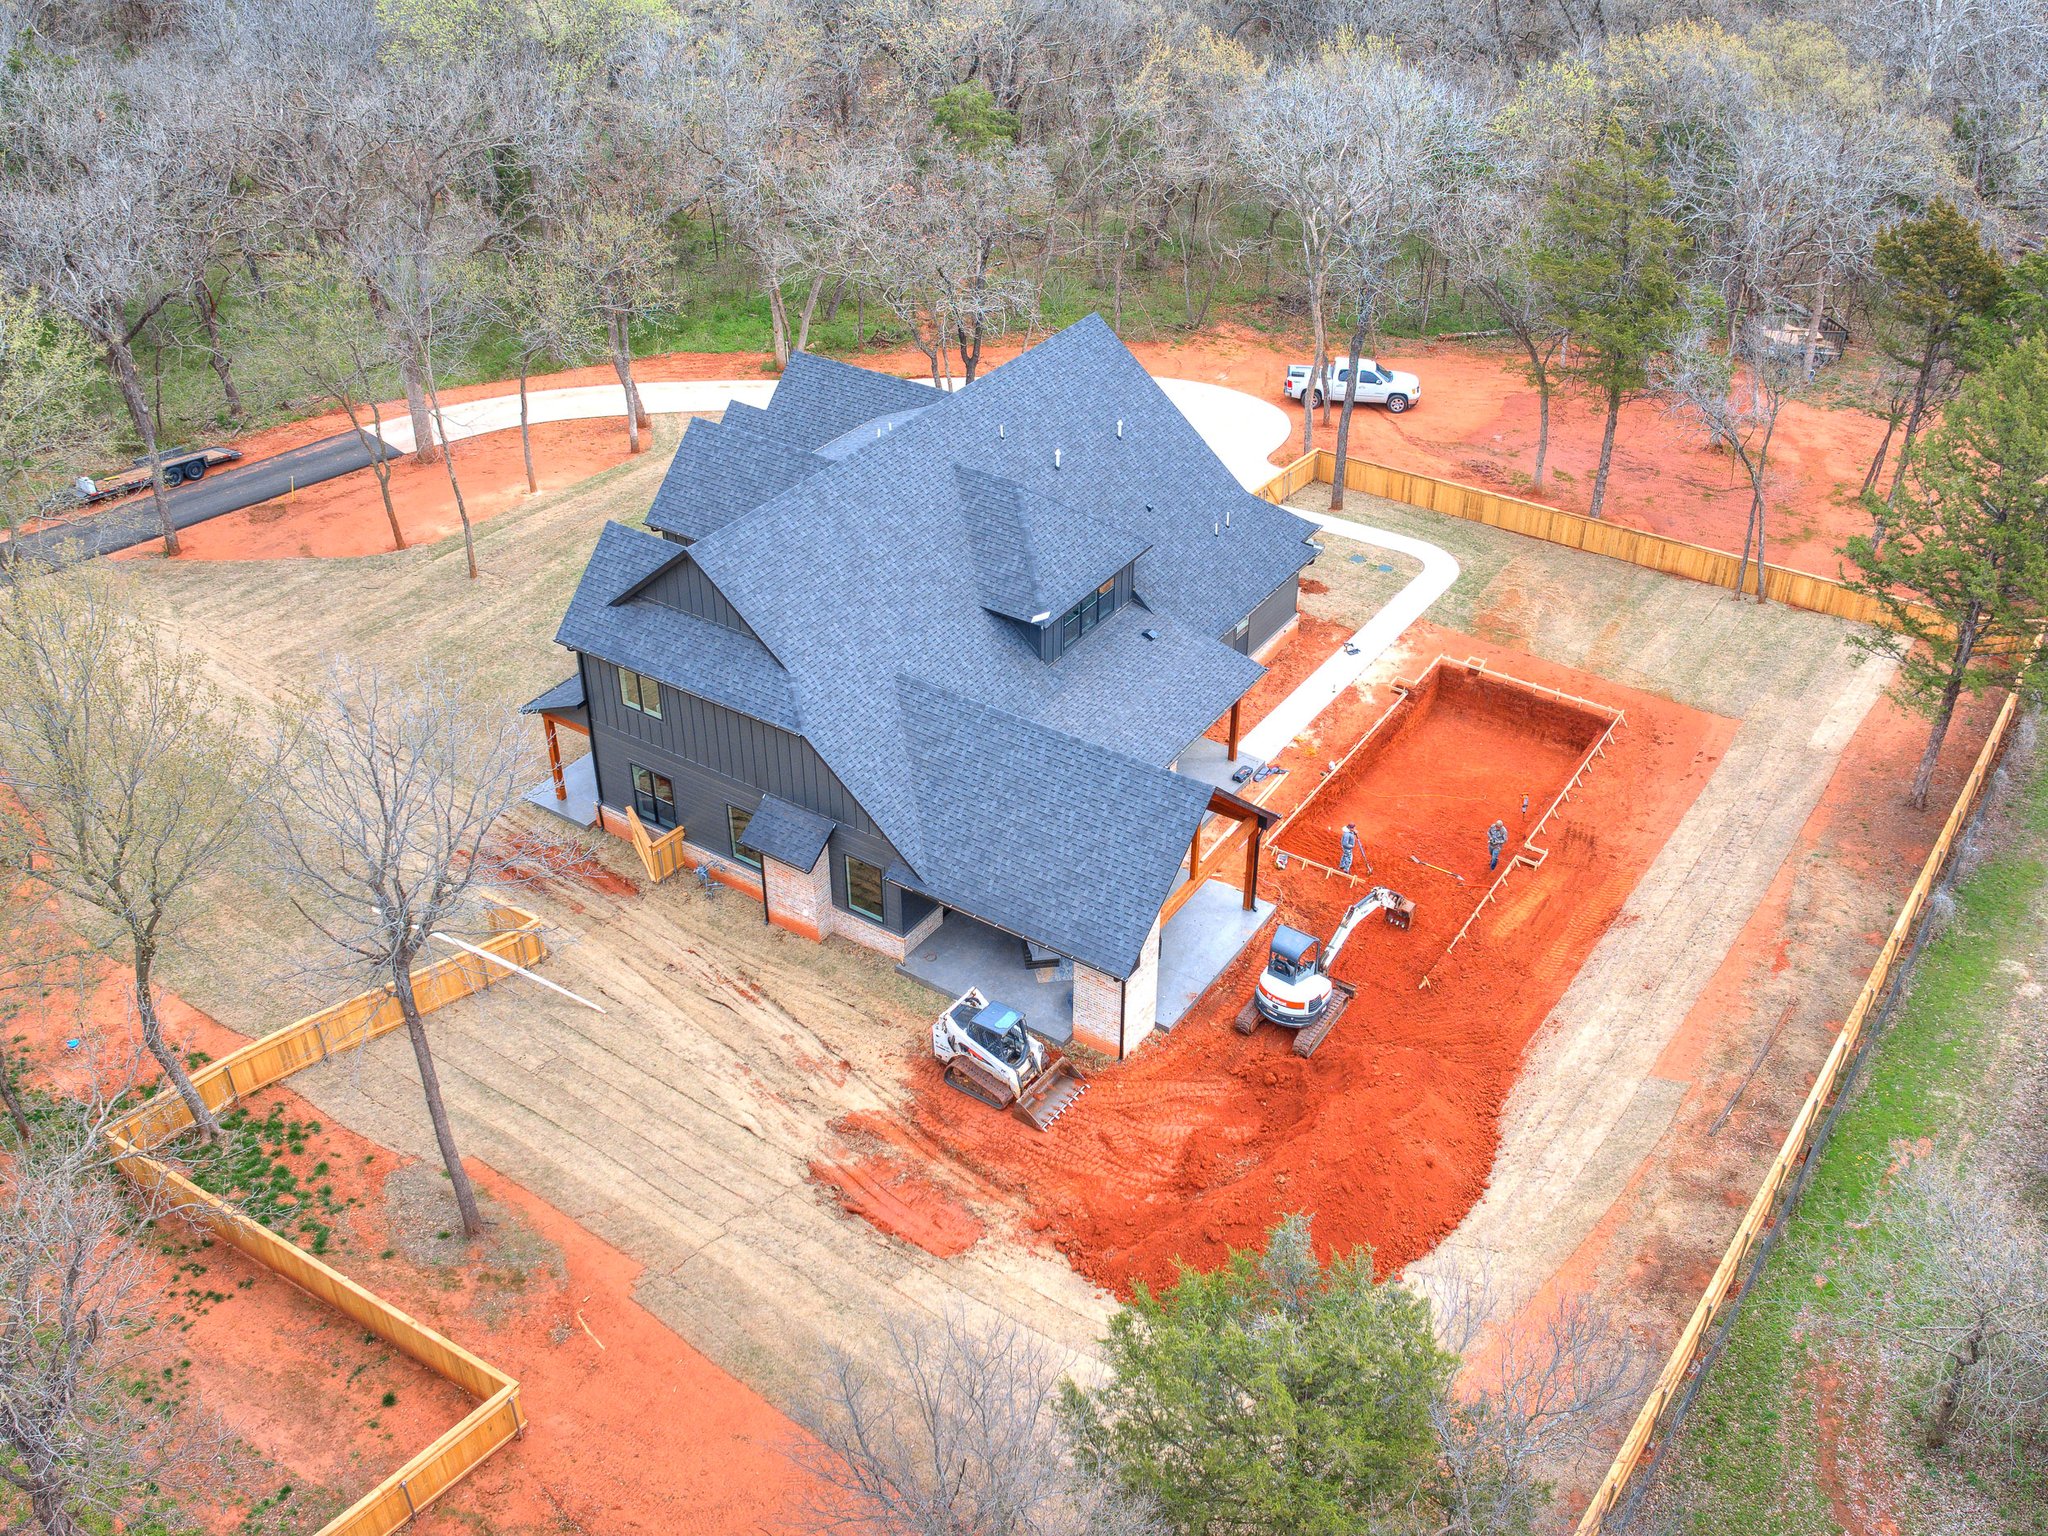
[180, 465]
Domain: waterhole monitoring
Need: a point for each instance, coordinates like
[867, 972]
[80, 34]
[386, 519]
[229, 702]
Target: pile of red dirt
[899, 1199]
[1387, 1135]
[1456, 752]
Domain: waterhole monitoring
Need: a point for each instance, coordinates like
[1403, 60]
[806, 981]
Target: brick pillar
[798, 901]
[1098, 1010]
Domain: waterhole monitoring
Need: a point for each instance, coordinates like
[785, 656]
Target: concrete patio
[1203, 937]
[579, 780]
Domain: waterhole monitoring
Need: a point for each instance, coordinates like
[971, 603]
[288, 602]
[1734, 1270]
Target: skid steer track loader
[990, 1056]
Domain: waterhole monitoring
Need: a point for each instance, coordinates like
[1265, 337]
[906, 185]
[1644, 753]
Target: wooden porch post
[1194, 854]
[1234, 708]
[554, 757]
[1251, 865]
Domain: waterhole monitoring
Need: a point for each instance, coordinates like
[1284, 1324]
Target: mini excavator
[989, 1055]
[1296, 991]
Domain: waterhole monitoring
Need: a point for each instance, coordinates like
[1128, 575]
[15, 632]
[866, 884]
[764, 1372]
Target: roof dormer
[1043, 564]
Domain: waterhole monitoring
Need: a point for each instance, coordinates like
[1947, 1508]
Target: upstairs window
[640, 692]
[1089, 612]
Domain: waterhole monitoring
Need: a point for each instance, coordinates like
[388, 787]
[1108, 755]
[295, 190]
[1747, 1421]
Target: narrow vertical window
[864, 888]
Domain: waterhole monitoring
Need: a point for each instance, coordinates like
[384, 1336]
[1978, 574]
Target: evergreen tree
[1610, 254]
[1935, 278]
[1274, 1394]
[1964, 575]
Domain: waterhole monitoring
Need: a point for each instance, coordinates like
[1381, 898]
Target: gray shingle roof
[787, 833]
[1032, 795]
[722, 472]
[681, 649]
[1108, 832]
[818, 399]
[1032, 556]
[567, 694]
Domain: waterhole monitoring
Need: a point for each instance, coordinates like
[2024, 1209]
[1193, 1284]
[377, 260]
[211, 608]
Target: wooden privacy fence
[1770, 1204]
[1653, 551]
[660, 856]
[496, 1419]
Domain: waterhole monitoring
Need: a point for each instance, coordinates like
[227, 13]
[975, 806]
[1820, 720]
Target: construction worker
[1496, 839]
[1349, 840]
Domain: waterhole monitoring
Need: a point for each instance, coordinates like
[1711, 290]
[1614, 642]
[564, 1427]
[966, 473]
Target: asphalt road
[133, 520]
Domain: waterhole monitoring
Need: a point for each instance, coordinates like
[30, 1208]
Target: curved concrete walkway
[1242, 430]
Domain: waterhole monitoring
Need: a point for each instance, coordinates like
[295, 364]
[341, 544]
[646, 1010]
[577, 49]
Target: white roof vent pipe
[1119, 426]
[1055, 458]
[1000, 431]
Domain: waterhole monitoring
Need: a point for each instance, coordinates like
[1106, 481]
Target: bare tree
[1962, 1285]
[103, 164]
[536, 302]
[384, 819]
[76, 1308]
[46, 368]
[608, 261]
[1735, 396]
[956, 1432]
[131, 787]
[348, 359]
[1539, 1392]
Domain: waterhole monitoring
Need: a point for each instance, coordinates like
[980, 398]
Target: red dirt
[629, 1428]
[1313, 642]
[900, 1200]
[1475, 423]
[1202, 1139]
[345, 516]
[1460, 751]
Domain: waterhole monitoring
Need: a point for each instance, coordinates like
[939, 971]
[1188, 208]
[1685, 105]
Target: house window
[640, 692]
[864, 888]
[1086, 614]
[654, 798]
[736, 824]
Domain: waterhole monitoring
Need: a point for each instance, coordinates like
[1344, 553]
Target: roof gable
[1034, 558]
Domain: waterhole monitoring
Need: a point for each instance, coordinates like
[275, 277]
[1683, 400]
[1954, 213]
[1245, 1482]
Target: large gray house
[885, 652]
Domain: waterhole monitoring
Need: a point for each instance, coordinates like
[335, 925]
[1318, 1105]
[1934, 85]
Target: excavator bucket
[1046, 1097]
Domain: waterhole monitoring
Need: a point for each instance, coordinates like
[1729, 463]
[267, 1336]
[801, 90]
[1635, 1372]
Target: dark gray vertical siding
[685, 586]
[717, 758]
[1271, 616]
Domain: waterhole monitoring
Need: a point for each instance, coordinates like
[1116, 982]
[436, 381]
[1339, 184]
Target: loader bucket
[1046, 1097]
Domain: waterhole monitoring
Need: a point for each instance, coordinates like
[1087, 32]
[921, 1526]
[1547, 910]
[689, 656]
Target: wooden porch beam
[1236, 706]
[554, 757]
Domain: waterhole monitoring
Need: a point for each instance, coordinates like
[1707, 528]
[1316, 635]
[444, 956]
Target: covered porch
[570, 789]
[1203, 936]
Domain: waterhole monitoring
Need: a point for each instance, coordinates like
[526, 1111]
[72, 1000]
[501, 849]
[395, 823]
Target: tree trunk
[622, 365]
[455, 485]
[1820, 305]
[16, 1110]
[209, 316]
[1923, 776]
[1606, 451]
[803, 321]
[1870, 476]
[1913, 415]
[1943, 1422]
[380, 465]
[122, 361]
[437, 1111]
[778, 325]
[153, 1039]
[1539, 367]
[525, 427]
[1344, 416]
[52, 1511]
[424, 448]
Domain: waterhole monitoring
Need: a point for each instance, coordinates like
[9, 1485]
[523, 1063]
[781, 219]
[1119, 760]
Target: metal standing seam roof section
[787, 833]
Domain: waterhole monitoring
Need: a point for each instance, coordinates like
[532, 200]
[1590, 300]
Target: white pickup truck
[1376, 385]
